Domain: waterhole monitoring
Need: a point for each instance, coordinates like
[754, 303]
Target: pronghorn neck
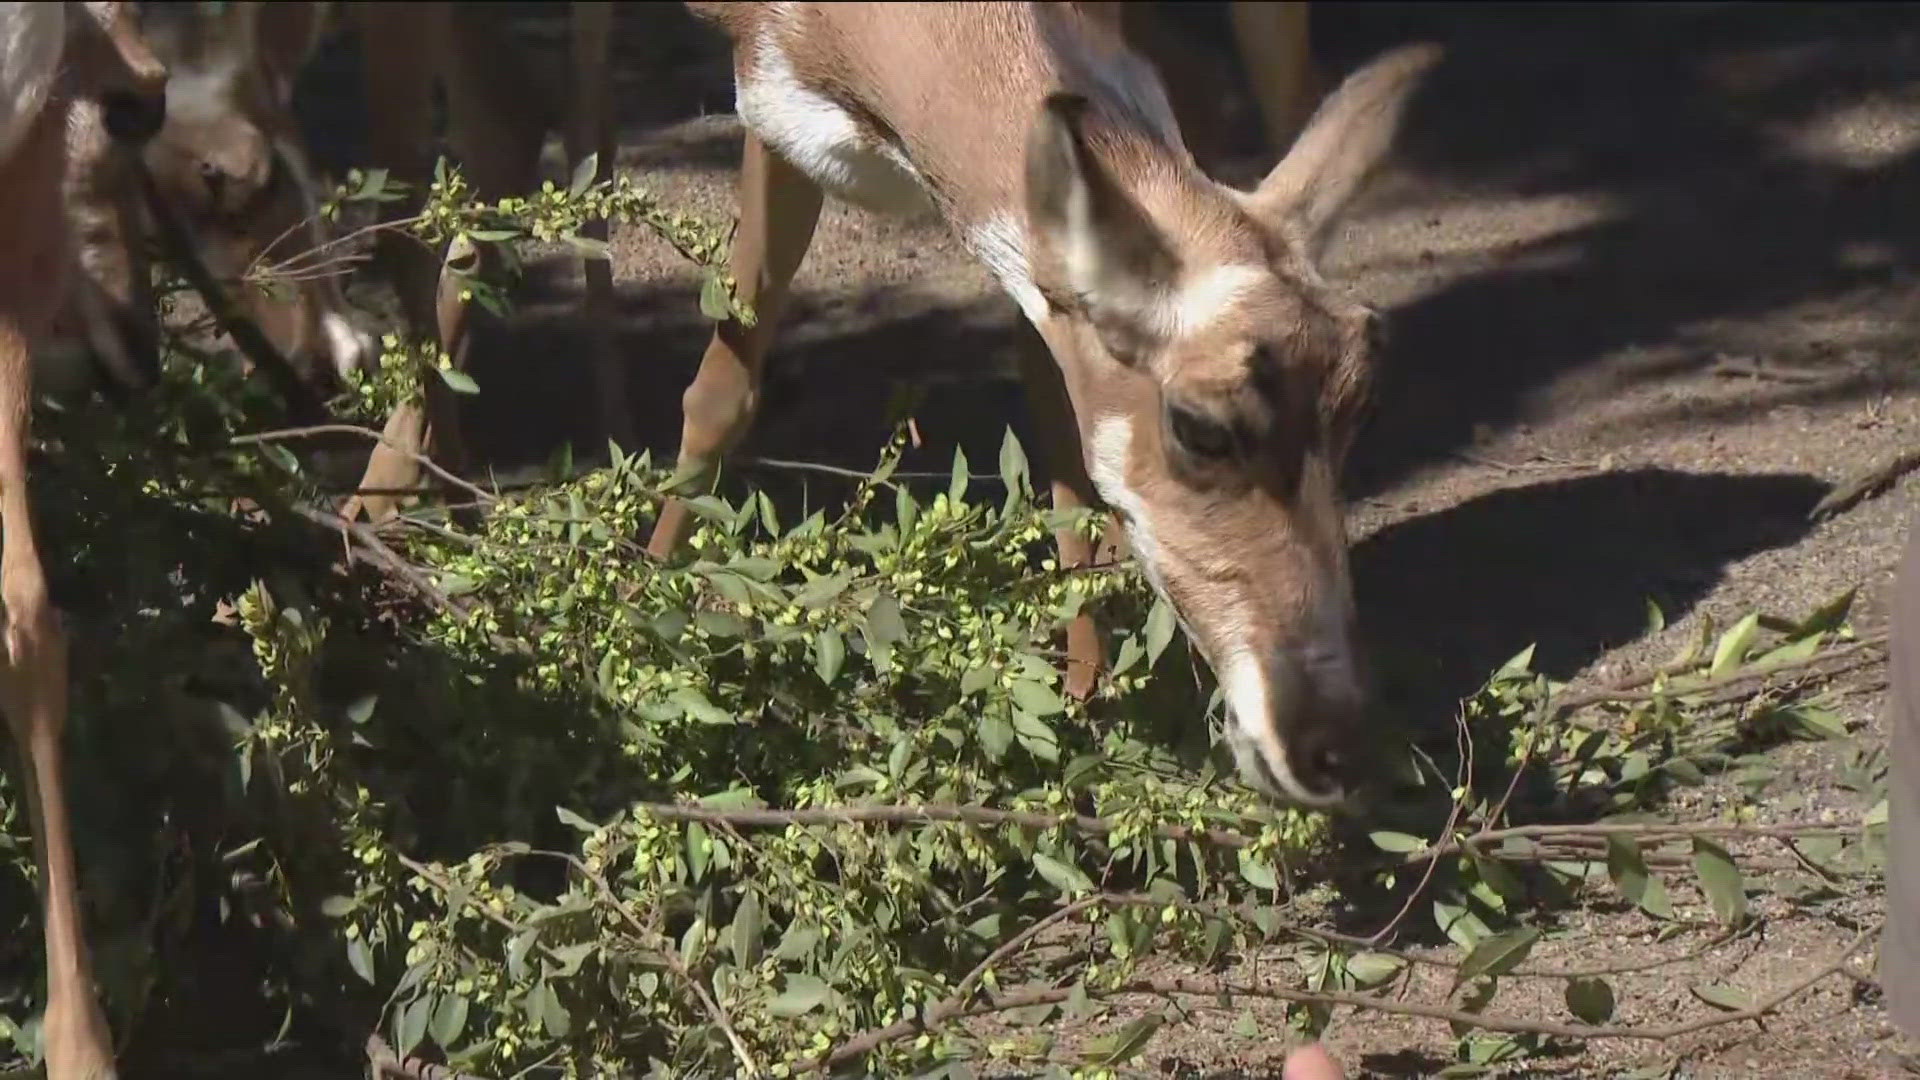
[842, 91]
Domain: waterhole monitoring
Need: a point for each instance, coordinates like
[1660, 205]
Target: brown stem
[872, 1040]
[284, 434]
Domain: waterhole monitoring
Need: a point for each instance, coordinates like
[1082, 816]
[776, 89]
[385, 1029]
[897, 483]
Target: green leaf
[1629, 873]
[1125, 1045]
[338, 907]
[829, 652]
[360, 958]
[1733, 646]
[1497, 955]
[803, 994]
[1062, 876]
[568, 817]
[1656, 619]
[1036, 736]
[976, 679]
[583, 174]
[362, 709]
[699, 709]
[1722, 996]
[884, 625]
[571, 957]
[457, 381]
[517, 950]
[749, 925]
[1396, 842]
[553, 1014]
[1160, 626]
[1036, 698]
[1013, 464]
[797, 942]
[412, 1026]
[1720, 880]
[1245, 1026]
[1590, 999]
[996, 733]
[1371, 968]
[1460, 924]
[449, 1020]
[822, 591]
[957, 483]
[715, 299]
[699, 851]
[1519, 664]
[1828, 616]
[1257, 870]
[1815, 722]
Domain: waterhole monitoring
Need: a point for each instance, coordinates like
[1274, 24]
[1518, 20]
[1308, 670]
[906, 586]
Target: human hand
[1311, 1062]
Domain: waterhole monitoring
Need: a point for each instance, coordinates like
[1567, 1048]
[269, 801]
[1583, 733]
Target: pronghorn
[232, 165]
[61, 64]
[231, 168]
[1184, 358]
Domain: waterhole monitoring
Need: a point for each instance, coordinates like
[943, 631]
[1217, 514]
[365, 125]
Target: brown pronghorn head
[113, 90]
[1217, 382]
[230, 166]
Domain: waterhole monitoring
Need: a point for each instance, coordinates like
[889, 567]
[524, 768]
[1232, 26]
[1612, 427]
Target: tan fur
[102, 55]
[1166, 302]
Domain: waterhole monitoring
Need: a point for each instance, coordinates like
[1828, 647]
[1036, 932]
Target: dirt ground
[1653, 278]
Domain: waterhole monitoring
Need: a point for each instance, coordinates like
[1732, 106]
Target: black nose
[132, 118]
[215, 179]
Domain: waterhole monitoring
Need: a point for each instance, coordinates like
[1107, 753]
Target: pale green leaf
[803, 994]
[1497, 955]
[1722, 996]
[1063, 876]
[1720, 880]
[1160, 627]
[829, 652]
[1734, 645]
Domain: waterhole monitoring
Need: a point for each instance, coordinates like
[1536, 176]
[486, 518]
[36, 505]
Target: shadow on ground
[1568, 566]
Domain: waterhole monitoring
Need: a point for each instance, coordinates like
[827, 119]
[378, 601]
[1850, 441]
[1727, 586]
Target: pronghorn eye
[1198, 434]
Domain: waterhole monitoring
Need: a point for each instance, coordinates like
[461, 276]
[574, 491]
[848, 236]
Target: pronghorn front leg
[1053, 418]
[778, 208]
[33, 680]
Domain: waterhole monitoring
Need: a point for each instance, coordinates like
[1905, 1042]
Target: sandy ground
[1652, 283]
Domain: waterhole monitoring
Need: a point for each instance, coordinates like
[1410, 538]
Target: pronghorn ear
[1348, 136]
[282, 37]
[1098, 250]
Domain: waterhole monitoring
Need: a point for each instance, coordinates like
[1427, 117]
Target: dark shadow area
[1567, 565]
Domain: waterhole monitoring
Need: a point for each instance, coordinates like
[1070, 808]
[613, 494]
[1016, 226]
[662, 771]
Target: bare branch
[284, 434]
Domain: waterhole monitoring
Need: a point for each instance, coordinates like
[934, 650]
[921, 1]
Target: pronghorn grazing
[61, 65]
[1184, 358]
[231, 164]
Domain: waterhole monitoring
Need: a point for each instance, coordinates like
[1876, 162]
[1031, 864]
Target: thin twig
[370, 544]
[953, 1003]
[1631, 689]
[1864, 484]
[868, 1042]
[310, 430]
[715, 1010]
